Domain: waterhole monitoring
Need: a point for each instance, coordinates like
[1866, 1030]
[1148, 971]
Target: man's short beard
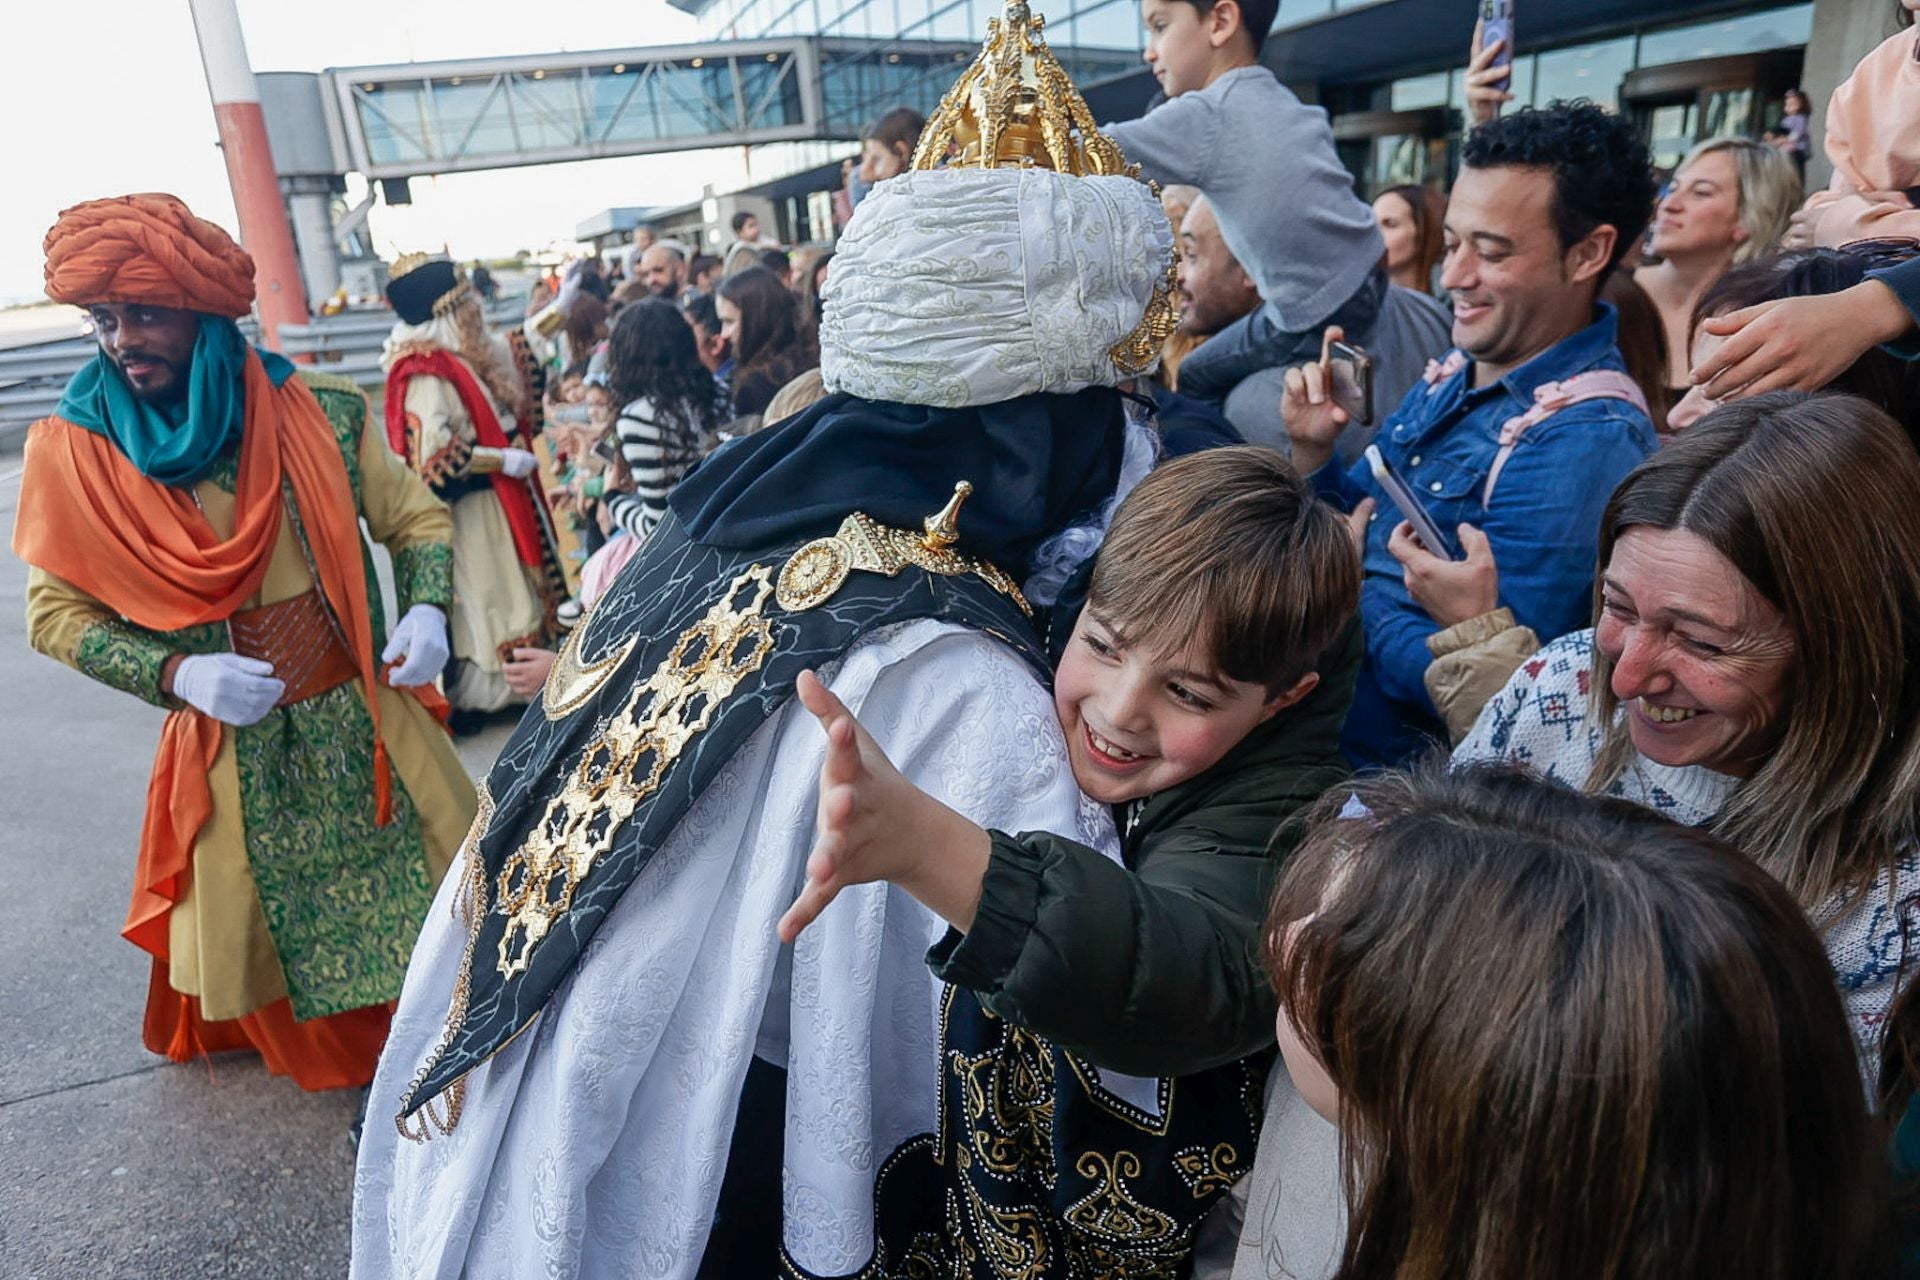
[173, 393]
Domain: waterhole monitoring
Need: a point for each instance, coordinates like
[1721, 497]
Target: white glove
[232, 689]
[518, 463]
[420, 642]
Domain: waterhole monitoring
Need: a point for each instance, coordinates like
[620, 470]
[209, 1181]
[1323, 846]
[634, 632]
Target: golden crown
[408, 263]
[450, 297]
[1016, 108]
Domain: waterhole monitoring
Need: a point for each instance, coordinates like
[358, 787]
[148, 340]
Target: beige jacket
[1471, 662]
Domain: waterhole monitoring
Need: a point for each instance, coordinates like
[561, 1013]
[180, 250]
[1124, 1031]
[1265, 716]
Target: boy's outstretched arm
[873, 824]
[1154, 973]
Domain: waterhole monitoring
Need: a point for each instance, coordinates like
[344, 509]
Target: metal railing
[348, 345]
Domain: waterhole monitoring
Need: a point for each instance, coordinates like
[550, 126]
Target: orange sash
[146, 551]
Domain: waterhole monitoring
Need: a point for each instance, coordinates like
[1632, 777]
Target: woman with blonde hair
[1730, 202]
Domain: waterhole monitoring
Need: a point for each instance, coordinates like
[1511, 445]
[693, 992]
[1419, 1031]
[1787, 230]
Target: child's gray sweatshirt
[1266, 163]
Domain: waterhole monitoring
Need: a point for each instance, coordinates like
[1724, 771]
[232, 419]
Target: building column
[1844, 31]
[310, 201]
[264, 232]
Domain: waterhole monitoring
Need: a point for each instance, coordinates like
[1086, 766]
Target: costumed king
[454, 398]
[192, 514]
[604, 1063]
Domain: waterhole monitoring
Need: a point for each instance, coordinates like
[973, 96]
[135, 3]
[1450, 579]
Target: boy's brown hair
[1256, 18]
[1232, 544]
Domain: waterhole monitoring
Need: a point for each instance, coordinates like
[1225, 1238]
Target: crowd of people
[1091, 730]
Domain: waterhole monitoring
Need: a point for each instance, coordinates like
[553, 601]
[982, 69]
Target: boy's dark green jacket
[1153, 969]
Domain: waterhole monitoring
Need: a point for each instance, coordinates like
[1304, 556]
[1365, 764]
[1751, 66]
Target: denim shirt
[1543, 522]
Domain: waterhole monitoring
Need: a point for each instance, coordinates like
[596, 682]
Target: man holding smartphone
[1525, 428]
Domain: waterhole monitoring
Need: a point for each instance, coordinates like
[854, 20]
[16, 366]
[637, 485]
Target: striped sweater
[659, 448]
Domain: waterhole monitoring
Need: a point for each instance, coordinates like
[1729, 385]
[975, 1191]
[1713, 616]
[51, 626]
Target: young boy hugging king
[1201, 696]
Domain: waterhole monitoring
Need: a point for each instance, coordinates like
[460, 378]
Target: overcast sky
[106, 97]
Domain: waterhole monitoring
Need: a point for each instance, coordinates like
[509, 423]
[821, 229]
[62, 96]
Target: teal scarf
[175, 444]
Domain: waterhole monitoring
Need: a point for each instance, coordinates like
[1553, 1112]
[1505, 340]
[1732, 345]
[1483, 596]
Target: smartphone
[1496, 23]
[1350, 371]
[1400, 493]
[607, 448]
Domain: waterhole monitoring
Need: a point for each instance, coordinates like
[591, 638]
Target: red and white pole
[264, 230]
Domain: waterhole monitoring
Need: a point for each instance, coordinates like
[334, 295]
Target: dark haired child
[1560, 1035]
[1200, 696]
[1231, 129]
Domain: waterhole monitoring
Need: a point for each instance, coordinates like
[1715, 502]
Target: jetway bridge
[404, 120]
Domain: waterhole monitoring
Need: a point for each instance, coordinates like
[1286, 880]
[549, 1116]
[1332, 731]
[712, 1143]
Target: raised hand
[874, 824]
[1483, 99]
[1314, 421]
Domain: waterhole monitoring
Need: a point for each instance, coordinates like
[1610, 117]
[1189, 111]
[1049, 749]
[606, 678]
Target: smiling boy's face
[1138, 721]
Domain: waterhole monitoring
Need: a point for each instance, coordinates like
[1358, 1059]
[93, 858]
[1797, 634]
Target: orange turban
[147, 248]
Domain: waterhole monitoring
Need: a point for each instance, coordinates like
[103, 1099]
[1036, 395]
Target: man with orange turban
[191, 514]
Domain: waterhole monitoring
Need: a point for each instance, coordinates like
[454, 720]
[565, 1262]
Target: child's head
[573, 383]
[1222, 582]
[1563, 1036]
[1190, 42]
[886, 148]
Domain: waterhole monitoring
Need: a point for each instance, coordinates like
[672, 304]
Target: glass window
[1420, 91]
[1294, 12]
[955, 22]
[1523, 75]
[1730, 114]
[1673, 128]
[1747, 33]
[1523, 69]
[1585, 71]
[1398, 160]
[1115, 25]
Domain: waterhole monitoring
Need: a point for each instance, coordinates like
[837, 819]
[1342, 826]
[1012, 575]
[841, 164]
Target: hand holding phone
[1496, 24]
[1490, 62]
[1350, 379]
[1401, 494]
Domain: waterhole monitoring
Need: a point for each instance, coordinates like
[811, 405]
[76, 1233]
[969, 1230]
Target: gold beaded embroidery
[1206, 1171]
[572, 682]
[814, 573]
[628, 763]
[1110, 1212]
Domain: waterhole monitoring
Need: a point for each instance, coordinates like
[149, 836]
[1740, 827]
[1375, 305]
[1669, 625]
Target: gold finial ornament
[408, 263]
[1015, 108]
[943, 529]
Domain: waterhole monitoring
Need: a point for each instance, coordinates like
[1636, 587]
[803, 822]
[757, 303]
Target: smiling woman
[1755, 666]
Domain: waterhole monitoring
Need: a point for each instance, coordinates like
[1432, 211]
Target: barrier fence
[32, 377]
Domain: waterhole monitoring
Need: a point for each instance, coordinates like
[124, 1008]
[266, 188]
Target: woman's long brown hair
[769, 317]
[1815, 500]
[1572, 1040]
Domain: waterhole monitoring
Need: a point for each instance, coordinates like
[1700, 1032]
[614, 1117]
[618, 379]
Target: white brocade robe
[594, 1144]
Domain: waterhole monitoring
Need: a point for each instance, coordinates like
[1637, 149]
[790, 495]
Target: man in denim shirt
[1547, 203]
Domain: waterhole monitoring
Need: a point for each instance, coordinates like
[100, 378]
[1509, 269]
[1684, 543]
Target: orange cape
[147, 552]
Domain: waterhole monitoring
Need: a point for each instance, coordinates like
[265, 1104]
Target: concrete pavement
[115, 1163]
